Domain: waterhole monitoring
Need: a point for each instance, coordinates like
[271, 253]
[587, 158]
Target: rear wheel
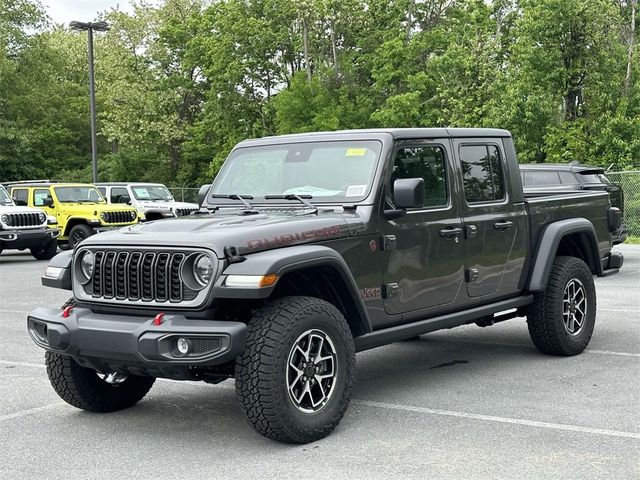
[46, 251]
[89, 390]
[79, 233]
[562, 317]
[294, 378]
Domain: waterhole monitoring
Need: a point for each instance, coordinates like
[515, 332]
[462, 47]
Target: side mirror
[48, 202]
[202, 194]
[408, 193]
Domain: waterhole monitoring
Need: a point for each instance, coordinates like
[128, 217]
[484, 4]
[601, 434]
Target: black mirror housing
[202, 194]
[48, 202]
[408, 193]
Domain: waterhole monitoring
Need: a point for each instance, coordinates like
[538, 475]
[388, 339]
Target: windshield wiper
[301, 198]
[243, 198]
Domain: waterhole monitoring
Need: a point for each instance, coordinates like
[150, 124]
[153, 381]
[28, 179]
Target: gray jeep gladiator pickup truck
[309, 248]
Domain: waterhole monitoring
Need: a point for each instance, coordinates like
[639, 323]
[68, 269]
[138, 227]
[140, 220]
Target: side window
[103, 191]
[482, 173]
[568, 178]
[119, 195]
[539, 177]
[40, 195]
[426, 162]
[20, 196]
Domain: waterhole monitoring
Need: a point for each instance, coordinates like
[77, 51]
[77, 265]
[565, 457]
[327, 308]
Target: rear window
[594, 178]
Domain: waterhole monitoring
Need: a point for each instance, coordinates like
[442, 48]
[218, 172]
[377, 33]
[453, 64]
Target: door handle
[450, 232]
[503, 225]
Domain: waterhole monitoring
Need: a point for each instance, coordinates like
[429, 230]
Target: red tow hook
[67, 311]
[158, 319]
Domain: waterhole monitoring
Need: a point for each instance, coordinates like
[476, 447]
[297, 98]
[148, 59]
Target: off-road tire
[261, 381]
[82, 388]
[81, 230]
[545, 319]
[46, 251]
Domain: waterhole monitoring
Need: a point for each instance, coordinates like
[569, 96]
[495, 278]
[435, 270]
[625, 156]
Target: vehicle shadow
[209, 413]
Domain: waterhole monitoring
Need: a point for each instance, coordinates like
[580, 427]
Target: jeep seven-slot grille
[183, 212]
[17, 220]
[118, 217]
[139, 276]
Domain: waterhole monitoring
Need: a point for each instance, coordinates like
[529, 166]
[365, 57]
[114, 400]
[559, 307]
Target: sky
[64, 11]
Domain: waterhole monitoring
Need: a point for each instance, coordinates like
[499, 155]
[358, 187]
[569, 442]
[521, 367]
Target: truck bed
[546, 208]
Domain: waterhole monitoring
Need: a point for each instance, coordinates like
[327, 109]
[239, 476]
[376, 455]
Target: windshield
[152, 192]
[5, 199]
[328, 171]
[78, 195]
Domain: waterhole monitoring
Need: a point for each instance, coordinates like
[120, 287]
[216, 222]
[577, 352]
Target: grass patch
[632, 240]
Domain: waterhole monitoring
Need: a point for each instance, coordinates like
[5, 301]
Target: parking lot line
[491, 418]
[521, 345]
[23, 364]
[30, 411]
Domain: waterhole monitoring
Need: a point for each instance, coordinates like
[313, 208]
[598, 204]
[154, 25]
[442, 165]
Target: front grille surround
[118, 217]
[20, 220]
[141, 277]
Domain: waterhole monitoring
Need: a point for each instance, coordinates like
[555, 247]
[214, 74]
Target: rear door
[423, 250]
[493, 224]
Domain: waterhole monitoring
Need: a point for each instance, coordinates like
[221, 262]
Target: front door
[423, 250]
[491, 220]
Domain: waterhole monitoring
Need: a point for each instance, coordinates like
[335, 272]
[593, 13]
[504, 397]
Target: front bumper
[135, 344]
[27, 238]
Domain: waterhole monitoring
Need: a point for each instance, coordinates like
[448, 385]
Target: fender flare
[63, 261]
[284, 260]
[550, 239]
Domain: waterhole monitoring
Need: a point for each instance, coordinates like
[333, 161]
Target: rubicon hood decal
[248, 233]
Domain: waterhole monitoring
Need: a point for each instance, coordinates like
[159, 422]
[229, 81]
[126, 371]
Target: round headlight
[87, 264]
[133, 215]
[42, 217]
[203, 269]
[103, 216]
[5, 218]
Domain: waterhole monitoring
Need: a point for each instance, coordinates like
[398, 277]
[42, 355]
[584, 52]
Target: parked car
[153, 201]
[542, 178]
[79, 209]
[311, 247]
[24, 227]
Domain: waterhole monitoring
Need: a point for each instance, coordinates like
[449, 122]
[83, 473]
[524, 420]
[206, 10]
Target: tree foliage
[181, 81]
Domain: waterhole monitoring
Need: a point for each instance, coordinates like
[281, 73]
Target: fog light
[183, 346]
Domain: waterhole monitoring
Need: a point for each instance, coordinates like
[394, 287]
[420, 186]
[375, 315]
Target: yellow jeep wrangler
[77, 209]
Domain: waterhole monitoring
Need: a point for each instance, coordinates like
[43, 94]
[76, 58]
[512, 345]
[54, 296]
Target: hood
[248, 233]
[14, 209]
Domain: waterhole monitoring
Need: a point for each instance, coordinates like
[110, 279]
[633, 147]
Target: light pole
[90, 27]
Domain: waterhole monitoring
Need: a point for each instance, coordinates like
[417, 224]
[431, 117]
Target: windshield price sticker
[356, 152]
[356, 190]
[142, 193]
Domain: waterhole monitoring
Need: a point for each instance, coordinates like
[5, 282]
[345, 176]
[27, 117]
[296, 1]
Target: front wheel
[79, 233]
[295, 376]
[46, 251]
[89, 390]
[562, 317]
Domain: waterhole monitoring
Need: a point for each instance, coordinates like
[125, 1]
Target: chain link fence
[630, 183]
[185, 194]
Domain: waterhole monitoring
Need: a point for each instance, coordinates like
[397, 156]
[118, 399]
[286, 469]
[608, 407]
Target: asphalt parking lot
[462, 404]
